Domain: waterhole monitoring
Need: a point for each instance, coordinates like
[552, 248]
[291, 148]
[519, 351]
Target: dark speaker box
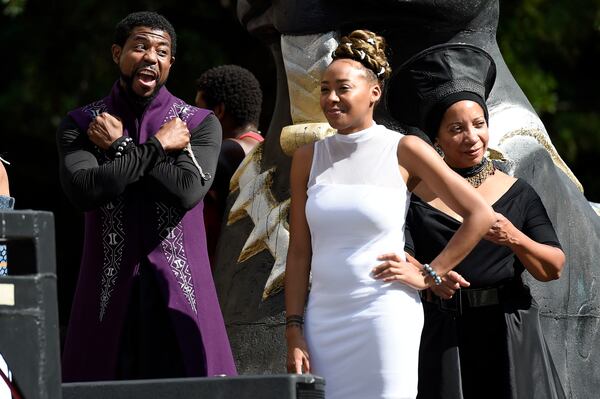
[284, 386]
[28, 306]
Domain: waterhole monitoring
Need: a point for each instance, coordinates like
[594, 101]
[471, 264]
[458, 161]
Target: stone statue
[301, 35]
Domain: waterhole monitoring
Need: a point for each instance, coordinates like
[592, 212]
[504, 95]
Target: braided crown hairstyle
[367, 48]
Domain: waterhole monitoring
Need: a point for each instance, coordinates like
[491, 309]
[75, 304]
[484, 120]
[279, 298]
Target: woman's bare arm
[298, 260]
[420, 161]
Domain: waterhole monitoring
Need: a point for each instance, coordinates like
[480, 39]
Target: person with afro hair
[234, 95]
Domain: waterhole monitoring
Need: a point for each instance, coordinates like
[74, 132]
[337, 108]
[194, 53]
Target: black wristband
[120, 147]
[294, 319]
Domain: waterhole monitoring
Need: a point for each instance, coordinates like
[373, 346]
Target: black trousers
[149, 348]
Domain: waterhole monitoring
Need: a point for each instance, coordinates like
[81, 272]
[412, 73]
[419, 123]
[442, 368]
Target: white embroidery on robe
[170, 230]
[95, 108]
[182, 110]
[113, 242]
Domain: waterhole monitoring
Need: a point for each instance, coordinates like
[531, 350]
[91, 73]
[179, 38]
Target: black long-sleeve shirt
[173, 177]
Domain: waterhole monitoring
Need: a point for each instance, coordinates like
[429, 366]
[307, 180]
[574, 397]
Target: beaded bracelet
[121, 146]
[436, 279]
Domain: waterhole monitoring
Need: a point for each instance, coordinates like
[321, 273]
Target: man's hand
[104, 130]
[173, 135]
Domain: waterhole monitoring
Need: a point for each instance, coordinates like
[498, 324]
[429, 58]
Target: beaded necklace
[477, 174]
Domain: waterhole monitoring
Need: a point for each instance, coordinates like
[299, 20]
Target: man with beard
[139, 162]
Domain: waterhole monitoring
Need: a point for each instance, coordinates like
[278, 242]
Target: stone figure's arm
[177, 180]
[536, 245]
[88, 184]
[298, 261]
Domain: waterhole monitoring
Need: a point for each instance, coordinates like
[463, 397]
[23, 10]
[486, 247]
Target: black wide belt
[466, 298]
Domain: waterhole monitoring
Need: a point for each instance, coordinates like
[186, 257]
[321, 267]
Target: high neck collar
[471, 170]
[122, 100]
[477, 174]
[359, 136]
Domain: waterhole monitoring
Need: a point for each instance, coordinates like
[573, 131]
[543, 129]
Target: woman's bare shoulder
[304, 152]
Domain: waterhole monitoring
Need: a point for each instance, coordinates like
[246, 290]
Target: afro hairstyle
[234, 86]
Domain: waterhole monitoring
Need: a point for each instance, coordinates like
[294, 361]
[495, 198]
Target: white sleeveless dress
[363, 335]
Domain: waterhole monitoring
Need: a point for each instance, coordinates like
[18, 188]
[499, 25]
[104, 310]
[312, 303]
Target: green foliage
[550, 48]
[12, 8]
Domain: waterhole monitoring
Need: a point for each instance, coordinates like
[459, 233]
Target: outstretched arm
[420, 161]
[298, 261]
[88, 184]
[179, 180]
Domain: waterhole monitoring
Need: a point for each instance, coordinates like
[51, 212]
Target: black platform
[285, 386]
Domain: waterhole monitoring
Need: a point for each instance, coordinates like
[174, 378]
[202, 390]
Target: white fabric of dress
[362, 334]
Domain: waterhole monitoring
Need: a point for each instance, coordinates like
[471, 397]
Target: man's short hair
[149, 19]
[234, 86]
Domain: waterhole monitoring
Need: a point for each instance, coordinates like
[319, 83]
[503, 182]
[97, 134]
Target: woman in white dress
[349, 197]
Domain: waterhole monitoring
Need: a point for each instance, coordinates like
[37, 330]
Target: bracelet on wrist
[436, 279]
[294, 320]
[120, 147]
[293, 324]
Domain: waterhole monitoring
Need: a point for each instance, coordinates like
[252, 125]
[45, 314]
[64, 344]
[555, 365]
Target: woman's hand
[543, 262]
[502, 232]
[297, 352]
[394, 268]
[451, 282]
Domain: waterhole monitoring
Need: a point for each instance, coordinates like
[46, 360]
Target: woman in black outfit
[482, 335]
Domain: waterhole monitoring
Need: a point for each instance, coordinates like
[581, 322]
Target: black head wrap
[422, 89]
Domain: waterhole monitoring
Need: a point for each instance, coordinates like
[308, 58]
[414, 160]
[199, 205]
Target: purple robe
[136, 228]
